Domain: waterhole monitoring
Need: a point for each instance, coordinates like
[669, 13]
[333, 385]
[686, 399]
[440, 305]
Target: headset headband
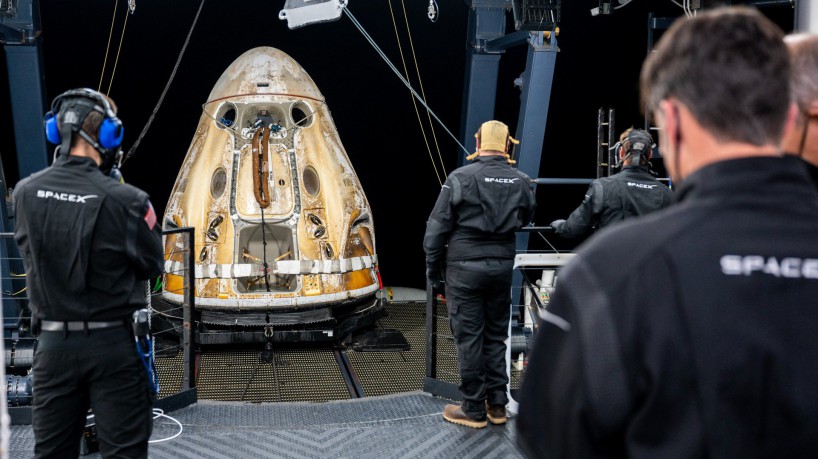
[72, 116]
[104, 106]
[638, 143]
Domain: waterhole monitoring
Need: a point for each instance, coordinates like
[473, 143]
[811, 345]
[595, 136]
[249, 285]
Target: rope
[420, 83]
[264, 251]
[406, 83]
[167, 86]
[116, 61]
[414, 103]
[107, 47]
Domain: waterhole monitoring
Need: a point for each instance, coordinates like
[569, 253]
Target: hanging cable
[406, 83]
[414, 103]
[547, 242]
[167, 86]
[420, 83]
[118, 50]
[107, 47]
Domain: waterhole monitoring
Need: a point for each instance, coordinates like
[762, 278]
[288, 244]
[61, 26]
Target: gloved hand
[557, 225]
[434, 272]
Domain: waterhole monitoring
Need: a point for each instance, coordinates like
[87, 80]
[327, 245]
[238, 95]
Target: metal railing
[169, 340]
[532, 293]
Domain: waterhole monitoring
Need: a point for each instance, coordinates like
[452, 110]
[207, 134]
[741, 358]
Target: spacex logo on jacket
[70, 197]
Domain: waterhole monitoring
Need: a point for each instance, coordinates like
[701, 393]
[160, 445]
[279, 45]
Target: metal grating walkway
[251, 409]
[397, 426]
[312, 374]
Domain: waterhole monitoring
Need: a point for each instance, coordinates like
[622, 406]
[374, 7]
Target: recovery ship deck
[304, 402]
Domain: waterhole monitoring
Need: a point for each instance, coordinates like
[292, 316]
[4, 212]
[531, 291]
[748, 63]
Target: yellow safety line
[121, 39]
[414, 103]
[108, 47]
[420, 82]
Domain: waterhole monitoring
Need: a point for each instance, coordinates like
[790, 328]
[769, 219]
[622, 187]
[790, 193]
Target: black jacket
[689, 333]
[812, 170]
[88, 242]
[478, 211]
[628, 193]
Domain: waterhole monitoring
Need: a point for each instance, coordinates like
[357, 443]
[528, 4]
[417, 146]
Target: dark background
[597, 67]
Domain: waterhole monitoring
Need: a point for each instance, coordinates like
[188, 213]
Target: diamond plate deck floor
[407, 425]
[301, 407]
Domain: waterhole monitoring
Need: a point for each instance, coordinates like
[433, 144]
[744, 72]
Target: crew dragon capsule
[284, 238]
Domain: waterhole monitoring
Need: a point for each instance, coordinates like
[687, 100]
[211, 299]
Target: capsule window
[226, 116]
[310, 180]
[301, 114]
[218, 182]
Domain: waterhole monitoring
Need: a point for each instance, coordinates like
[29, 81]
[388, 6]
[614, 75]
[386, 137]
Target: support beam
[20, 34]
[482, 67]
[26, 86]
[535, 99]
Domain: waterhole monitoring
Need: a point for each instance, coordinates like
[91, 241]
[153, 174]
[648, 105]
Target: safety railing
[171, 339]
[18, 346]
[173, 324]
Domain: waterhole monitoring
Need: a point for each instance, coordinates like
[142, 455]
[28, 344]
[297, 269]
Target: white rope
[406, 83]
[158, 413]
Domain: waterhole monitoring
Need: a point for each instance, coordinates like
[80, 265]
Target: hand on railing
[537, 229]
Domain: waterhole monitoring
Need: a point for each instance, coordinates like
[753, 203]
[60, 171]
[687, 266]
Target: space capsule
[284, 237]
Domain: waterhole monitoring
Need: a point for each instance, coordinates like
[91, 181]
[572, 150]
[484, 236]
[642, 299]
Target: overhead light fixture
[299, 13]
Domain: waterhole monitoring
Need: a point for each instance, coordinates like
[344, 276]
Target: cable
[149, 363]
[158, 413]
[414, 103]
[107, 47]
[118, 50]
[167, 86]
[406, 83]
[420, 83]
[547, 242]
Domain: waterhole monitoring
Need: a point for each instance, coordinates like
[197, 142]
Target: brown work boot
[496, 414]
[455, 414]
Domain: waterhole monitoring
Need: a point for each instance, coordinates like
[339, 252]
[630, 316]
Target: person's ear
[670, 117]
[792, 122]
[812, 111]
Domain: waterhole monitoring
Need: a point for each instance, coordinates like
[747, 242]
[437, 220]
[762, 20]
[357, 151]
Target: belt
[78, 325]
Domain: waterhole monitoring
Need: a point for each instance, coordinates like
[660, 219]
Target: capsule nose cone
[268, 71]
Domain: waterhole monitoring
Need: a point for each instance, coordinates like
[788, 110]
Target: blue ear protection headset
[73, 107]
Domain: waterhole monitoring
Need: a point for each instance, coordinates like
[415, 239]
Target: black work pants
[478, 298]
[100, 370]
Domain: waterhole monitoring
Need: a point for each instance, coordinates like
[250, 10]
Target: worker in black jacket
[629, 193]
[470, 236]
[88, 244]
[692, 332]
[802, 141]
